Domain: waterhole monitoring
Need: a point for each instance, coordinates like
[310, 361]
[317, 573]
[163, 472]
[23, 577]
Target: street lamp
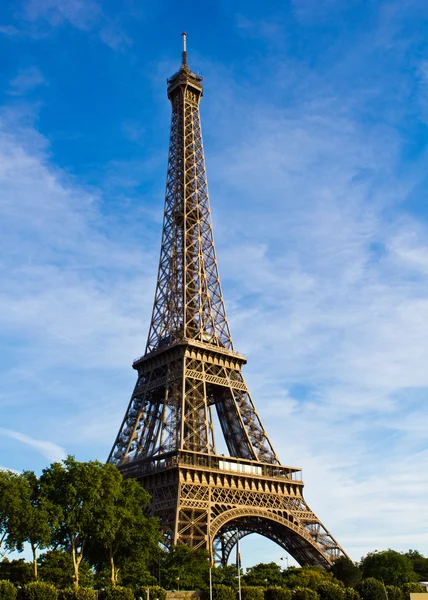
[178, 582]
[265, 583]
[286, 558]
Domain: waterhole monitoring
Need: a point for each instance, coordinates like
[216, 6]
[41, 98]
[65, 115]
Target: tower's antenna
[184, 53]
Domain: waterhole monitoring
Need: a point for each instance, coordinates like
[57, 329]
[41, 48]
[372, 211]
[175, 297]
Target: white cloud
[26, 80]
[49, 450]
[85, 15]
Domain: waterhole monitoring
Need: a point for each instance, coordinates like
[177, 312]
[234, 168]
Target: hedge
[301, 593]
[119, 593]
[77, 594]
[351, 594]
[39, 590]
[394, 592]
[223, 592]
[251, 592]
[277, 593]
[7, 590]
[156, 593]
[411, 588]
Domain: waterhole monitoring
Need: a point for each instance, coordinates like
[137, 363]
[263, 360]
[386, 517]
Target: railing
[212, 463]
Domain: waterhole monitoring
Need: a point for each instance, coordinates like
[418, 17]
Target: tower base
[211, 501]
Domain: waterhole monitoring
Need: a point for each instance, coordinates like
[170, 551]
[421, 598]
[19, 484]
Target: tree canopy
[389, 566]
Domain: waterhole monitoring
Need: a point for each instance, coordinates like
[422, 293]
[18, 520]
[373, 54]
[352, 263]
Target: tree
[11, 492]
[34, 526]
[389, 566]
[329, 590]
[17, 571]
[74, 490]
[306, 577]
[123, 535]
[264, 574]
[420, 564]
[185, 568]
[56, 567]
[371, 589]
[226, 575]
[346, 571]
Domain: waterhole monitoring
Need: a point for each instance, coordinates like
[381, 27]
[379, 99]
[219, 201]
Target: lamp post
[286, 558]
[178, 582]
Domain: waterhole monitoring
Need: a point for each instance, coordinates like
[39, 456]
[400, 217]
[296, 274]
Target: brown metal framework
[189, 369]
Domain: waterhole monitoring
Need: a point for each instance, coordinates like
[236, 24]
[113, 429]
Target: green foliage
[394, 593]
[156, 593]
[346, 571]
[388, 566]
[420, 564]
[302, 593]
[277, 593]
[351, 594]
[263, 574]
[39, 590]
[81, 593]
[119, 593]
[307, 577]
[56, 567]
[225, 574]
[185, 568]
[12, 515]
[223, 592]
[371, 589]
[16, 571]
[74, 488]
[252, 592]
[123, 536]
[7, 590]
[411, 588]
[329, 590]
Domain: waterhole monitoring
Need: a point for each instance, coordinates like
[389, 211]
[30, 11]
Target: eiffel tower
[189, 370]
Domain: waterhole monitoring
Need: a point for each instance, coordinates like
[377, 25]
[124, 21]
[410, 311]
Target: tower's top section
[188, 303]
[185, 77]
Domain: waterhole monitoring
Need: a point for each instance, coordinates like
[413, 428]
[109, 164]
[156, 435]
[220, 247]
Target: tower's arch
[238, 523]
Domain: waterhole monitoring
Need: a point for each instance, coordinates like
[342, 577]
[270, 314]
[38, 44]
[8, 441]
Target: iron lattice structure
[190, 369]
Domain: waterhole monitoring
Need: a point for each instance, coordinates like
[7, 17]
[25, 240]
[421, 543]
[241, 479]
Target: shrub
[301, 593]
[411, 588]
[7, 590]
[331, 591]
[251, 592]
[119, 593]
[77, 594]
[371, 589]
[156, 593]
[68, 593]
[39, 590]
[223, 592]
[394, 593]
[351, 594]
[277, 593]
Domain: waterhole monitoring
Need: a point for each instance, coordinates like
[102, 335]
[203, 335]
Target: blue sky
[315, 119]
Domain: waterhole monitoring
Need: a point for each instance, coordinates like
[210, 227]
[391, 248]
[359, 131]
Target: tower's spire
[184, 53]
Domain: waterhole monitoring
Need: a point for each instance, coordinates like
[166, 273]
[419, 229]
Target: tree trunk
[113, 571]
[75, 564]
[34, 550]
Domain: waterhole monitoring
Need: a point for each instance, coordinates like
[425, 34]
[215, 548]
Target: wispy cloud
[49, 450]
[26, 80]
[84, 15]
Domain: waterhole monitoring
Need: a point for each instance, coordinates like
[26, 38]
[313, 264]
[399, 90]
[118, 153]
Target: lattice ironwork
[191, 369]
